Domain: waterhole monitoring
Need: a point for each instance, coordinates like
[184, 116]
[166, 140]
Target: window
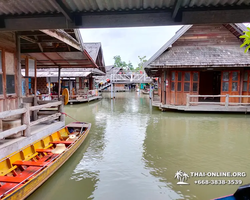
[225, 81]
[186, 81]
[31, 68]
[10, 72]
[10, 83]
[195, 81]
[1, 83]
[173, 81]
[234, 81]
[246, 81]
[179, 81]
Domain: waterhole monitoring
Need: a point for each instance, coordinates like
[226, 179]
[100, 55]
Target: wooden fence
[25, 116]
[226, 103]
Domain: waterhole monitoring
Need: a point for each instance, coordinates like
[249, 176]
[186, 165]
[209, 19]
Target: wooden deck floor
[203, 108]
[8, 146]
[85, 100]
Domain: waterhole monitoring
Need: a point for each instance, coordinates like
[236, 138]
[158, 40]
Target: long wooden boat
[242, 193]
[23, 171]
[145, 92]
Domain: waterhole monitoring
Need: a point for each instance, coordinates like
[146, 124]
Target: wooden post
[35, 111]
[227, 100]
[35, 83]
[150, 91]
[165, 77]
[5, 105]
[49, 87]
[188, 100]
[112, 90]
[26, 120]
[61, 110]
[19, 74]
[241, 84]
[27, 74]
[59, 82]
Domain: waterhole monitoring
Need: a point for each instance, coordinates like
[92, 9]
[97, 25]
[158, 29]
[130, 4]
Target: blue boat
[243, 193]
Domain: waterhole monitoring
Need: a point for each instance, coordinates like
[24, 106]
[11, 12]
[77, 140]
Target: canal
[133, 152]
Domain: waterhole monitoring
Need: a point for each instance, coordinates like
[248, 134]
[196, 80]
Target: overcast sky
[129, 43]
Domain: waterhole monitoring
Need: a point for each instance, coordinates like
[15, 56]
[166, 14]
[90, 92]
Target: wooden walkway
[203, 108]
[71, 101]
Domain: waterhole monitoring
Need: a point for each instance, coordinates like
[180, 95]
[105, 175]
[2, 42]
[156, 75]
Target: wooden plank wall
[7, 44]
[206, 35]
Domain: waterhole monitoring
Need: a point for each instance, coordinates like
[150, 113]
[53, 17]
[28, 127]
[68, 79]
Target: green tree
[122, 64]
[141, 63]
[130, 66]
[246, 39]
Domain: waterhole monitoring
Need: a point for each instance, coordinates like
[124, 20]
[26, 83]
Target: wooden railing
[25, 117]
[226, 103]
[86, 95]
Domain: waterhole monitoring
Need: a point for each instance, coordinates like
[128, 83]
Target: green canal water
[133, 152]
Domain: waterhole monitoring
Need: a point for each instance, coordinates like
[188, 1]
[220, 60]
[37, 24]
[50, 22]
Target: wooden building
[203, 68]
[21, 112]
[74, 79]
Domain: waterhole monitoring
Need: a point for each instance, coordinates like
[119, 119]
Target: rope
[69, 116]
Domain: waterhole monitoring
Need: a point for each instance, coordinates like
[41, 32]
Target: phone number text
[218, 182]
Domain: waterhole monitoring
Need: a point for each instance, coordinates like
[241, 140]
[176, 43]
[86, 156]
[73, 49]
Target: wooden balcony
[49, 119]
[209, 106]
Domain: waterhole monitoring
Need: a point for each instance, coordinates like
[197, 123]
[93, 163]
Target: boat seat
[62, 142]
[31, 163]
[6, 187]
[11, 179]
[43, 150]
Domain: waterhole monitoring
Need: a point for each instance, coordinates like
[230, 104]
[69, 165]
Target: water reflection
[134, 150]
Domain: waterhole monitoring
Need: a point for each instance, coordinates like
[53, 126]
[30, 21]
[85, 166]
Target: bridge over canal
[123, 79]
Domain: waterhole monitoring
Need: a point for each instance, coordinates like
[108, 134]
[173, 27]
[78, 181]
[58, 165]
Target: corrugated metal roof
[18, 7]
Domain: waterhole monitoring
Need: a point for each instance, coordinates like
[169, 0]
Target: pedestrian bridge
[123, 79]
[129, 78]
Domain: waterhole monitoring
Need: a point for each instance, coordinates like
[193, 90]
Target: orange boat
[25, 170]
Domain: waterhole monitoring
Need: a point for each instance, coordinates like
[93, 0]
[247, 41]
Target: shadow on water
[133, 152]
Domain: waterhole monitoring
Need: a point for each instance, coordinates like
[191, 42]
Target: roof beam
[66, 38]
[108, 19]
[58, 4]
[177, 12]
[28, 39]
[39, 44]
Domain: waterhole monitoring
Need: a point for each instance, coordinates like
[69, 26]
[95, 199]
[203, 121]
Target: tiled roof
[198, 56]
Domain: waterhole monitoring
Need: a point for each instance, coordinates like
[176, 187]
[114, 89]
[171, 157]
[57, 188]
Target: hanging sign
[166, 83]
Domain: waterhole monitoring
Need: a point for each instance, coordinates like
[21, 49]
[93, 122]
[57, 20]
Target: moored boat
[23, 171]
[145, 92]
[243, 193]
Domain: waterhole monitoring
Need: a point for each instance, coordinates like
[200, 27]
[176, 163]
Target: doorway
[210, 84]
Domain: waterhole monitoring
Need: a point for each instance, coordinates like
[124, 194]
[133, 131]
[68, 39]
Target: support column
[19, 74]
[150, 91]
[59, 82]
[61, 109]
[112, 90]
[35, 82]
[49, 85]
[27, 74]
[26, 120]
[164, 87]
